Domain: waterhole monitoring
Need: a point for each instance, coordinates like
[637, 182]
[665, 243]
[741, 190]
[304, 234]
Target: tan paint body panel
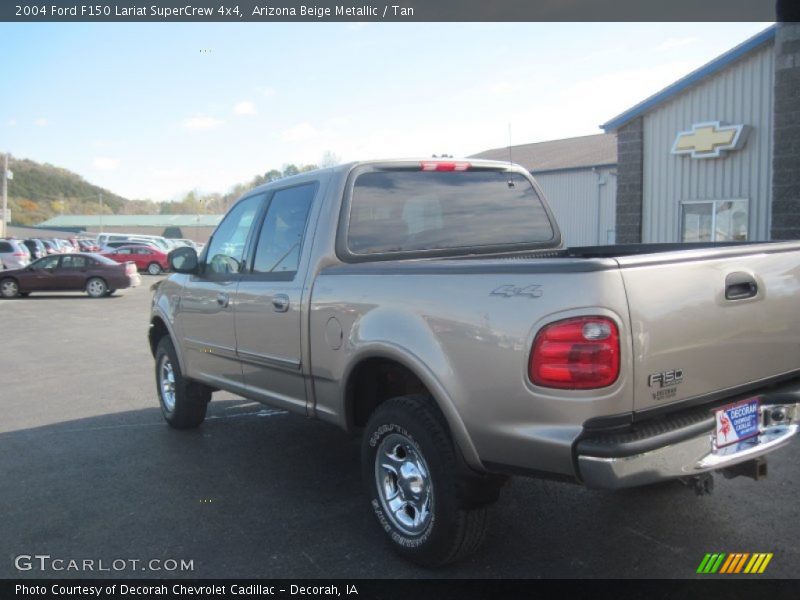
[681, 319]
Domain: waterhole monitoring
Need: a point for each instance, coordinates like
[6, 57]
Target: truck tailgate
[704, 321]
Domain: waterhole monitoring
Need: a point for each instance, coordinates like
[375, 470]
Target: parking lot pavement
[91, 472]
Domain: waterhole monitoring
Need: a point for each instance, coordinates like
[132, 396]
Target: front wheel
[96, 287]
[183, 402]
[154, 268]
[413, 480]
[9, 288]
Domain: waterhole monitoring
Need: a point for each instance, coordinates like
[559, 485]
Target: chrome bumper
[689, 457]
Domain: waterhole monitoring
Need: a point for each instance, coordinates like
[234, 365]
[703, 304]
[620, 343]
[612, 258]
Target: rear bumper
[668, 452]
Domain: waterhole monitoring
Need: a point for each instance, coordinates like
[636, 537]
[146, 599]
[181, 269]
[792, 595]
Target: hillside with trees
[41, 191]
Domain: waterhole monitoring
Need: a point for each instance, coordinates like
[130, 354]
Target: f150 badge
[666, 383]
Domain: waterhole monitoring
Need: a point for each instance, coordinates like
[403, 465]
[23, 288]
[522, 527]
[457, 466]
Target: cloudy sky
[156, 110]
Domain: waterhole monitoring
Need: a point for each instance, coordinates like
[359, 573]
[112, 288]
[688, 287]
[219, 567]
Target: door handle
[280, 302]
[740, 286]
[222, 299]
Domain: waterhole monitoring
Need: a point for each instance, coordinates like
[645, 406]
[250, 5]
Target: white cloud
[201, 123]
[503, 87]
[245, 107]
[11, 122]
[672, 43]
[301, 133]
[40, 122]
[104, 163]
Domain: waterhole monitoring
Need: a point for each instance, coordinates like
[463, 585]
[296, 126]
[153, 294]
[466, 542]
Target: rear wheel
[415, 484]
[9, 288]
[183, 402]
[96, 287]
[154, 268]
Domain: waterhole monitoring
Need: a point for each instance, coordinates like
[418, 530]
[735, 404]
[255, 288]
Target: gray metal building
[716, 155]
[578, 177]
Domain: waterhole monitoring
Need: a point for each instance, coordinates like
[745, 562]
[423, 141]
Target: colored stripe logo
[735, 562]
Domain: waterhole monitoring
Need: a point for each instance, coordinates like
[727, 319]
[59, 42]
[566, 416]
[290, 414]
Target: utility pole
[5, 192]
[100, 198]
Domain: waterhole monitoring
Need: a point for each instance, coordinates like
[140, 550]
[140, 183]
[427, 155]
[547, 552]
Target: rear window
[416, 211]
[103, 260]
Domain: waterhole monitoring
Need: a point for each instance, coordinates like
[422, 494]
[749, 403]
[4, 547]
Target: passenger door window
[226, 249]
[281, 236]
[73, 262]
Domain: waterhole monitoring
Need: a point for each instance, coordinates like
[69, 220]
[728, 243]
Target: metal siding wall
[573, 197]
[741, 94]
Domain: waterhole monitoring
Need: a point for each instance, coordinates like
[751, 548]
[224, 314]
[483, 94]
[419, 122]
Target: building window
[714, 221]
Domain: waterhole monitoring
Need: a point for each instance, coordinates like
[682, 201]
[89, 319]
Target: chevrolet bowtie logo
[709, 140]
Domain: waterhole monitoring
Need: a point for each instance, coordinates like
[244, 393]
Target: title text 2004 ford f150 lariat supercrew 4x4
[431, 307]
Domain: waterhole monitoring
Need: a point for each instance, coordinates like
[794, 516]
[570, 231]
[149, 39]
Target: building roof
[556, 155]
[133, 221]
[715, 66]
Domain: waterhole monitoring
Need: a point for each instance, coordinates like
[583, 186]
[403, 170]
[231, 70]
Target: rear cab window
[399, 212]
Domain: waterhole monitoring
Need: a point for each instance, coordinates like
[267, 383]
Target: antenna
[510, 161]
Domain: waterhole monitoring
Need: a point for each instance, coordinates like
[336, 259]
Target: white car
[13, 254]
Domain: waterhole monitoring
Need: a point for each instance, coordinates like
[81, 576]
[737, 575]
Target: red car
[146, 258]
[92, 273]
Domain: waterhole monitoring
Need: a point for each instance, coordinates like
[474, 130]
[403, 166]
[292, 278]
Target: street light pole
[5, 192]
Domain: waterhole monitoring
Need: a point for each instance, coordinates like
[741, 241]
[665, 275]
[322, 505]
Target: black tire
[187, 409]
[24, 294]
[9, 287]
[154, 268]
[455, 527]
[96, 287]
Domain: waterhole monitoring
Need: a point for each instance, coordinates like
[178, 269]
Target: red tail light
[576, 354]
[435, 165]
[19, 254]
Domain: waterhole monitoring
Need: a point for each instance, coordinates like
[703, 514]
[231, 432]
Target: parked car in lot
[13, 254]
[50, 246]
[88, 246]
[35, 247]
[110, 246]
[431, 307]
[96, 275]
[146, 258]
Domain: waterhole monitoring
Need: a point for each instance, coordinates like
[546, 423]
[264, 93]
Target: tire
[412, 474]
[183, 402]
[96, 287]
[9, 288]
[154, 268]
[24, 294]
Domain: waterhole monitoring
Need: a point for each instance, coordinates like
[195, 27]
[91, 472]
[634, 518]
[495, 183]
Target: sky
[154, 110]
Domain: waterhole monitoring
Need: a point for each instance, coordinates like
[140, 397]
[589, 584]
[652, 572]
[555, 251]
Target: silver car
[13, 254]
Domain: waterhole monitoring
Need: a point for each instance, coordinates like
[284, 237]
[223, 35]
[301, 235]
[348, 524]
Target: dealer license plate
[737, 422]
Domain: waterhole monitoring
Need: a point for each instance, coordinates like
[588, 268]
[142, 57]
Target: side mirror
[184, 260]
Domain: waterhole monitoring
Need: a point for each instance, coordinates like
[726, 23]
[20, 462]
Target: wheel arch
[384, 371]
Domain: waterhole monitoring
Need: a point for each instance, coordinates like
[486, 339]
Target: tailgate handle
[739, 286]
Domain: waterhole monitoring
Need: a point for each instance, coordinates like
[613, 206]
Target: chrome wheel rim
[154, 269]
[9, 289]
[97, 287]
[167, 383]
[404, 485]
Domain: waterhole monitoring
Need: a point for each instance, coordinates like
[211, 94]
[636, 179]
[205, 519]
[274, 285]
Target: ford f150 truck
[431, 307]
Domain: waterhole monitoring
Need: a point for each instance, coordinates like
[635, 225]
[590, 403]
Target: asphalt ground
[90, 471]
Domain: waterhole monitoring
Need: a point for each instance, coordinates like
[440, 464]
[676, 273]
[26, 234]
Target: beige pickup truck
[430, 307]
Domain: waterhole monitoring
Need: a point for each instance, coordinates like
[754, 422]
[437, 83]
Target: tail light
[576, 354]
[19, 254]
[435, 165]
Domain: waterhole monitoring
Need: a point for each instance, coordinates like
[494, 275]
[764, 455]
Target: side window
[49, 262]
[226, 248]
[73, 262]
[124, 251]
[281, 237]
[5, 247]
